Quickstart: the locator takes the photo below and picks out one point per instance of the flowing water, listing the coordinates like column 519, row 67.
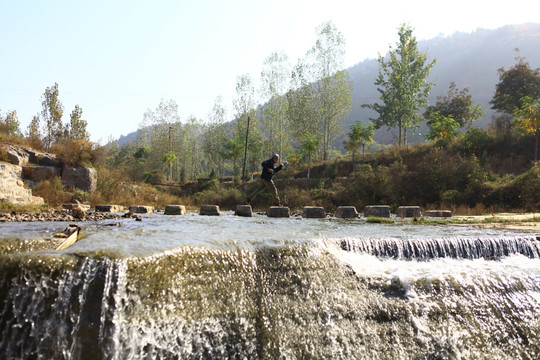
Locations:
column 194, row 287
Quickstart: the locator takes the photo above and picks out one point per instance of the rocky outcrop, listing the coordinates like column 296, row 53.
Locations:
column 12, row 188
column 29, row 166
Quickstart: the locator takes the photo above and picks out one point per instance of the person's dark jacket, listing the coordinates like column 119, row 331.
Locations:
column 269, row 164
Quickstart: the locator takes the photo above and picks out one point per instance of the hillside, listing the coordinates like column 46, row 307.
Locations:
column 469, row 59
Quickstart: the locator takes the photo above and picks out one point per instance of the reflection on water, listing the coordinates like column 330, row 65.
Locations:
column 193, row 287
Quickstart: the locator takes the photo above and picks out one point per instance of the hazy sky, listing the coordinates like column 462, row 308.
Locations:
column 116, row 59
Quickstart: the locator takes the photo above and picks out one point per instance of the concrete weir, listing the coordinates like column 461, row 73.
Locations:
column 438, row 213
column 279, row 211
column 210, row 210
column 313, row 212
column 175, row 210
column 346, row 212
column 243, row 210
column 377, row 210
column 409, row 212
column 109, row 208
column 141, row 209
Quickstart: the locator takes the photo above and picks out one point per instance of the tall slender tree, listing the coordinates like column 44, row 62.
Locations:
column 77, row 126
column 52, row 112
column 402, row 85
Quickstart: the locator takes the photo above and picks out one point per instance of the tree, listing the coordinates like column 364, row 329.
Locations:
column 528, row 119
column 52, row 112
column 77, row 126
column 441, row 127
column 275, row 82
column 360, row 135
column 514, row 84
column 214, row 135
column 332, row 86
column 402, row 85
column 10, row 123
column 33, row 130
column 308, row 146
column 458, row 105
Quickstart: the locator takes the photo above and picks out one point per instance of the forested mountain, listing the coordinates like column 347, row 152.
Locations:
column 469, row 59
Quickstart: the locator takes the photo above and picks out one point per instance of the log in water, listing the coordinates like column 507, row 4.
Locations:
column 231, row 288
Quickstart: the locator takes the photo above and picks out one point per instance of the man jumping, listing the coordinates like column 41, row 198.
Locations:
column 269, row 168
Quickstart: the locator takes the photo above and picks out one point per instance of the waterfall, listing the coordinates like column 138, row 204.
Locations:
column 350, row 298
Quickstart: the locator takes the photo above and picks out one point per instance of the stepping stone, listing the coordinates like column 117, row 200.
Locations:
column 438, row 213
column 377, row 210
column 314, row 212
column 243, row 210
column 346, row 212
column 175, row 210
column 279, row 211
column 109, row 208
column 210, row 210
column 141, row 209
column 408, row 212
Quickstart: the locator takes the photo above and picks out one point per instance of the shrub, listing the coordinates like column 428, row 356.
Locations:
column 52, row 191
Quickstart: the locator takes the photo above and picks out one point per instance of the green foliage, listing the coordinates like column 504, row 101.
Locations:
column 52, row 191
column 9, row 124
column 528, row 119
column 360, row 135
column 402, row 85
column 77, row 129
column 212, row 184
column 476, row 140
column 515, row 83
column 52, row 116
column 379, row 220
column 457, row 105
column 442, row 128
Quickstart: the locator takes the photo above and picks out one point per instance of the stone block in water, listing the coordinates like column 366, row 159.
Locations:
column 346, row 212
column 279, row 211
column 141, row 209
column 438, row 213
column 243, row 210
column 377, row 210
column 314, row 212
column 175, row 210
column 210, row 210
column 408, row 211
column 109, row 208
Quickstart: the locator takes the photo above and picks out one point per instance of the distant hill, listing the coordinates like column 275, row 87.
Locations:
column 469, row 59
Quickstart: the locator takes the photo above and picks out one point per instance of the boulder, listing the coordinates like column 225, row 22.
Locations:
column 438, row 213
column 141, row 209
column 78, row 212
column 243, row 210
column 175, row 210
column 43, row 159
column 313, row 212
column 211, row 210
column 109, row 208
column 35, row 174
column 279, row 211
column 12, row 189
column 17, row 156
column 408, row 212
column 80, row 177
column 345, row 212
column 377, row 210
column 71, row 206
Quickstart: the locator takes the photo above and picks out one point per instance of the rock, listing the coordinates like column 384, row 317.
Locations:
column 17, row 156
column 314, row 212
column 408, row 212
column 80, row 177
column 36, row 174
column 12, row 189
column 141, row 209
column 109, row 208
column 71, row 206
column 212, row 210
column 279, row 211
column 243, row 210
column 78, row 212
column 43, row 159
column 345, row 212
column 175, row 210
column 438, row 213
column 377, row 210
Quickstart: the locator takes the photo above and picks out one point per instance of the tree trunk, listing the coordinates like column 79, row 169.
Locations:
column 536, row 148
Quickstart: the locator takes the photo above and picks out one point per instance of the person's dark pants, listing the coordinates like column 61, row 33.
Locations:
column 268, row 185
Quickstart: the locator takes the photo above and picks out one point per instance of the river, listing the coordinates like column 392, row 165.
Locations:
column 227, row 287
